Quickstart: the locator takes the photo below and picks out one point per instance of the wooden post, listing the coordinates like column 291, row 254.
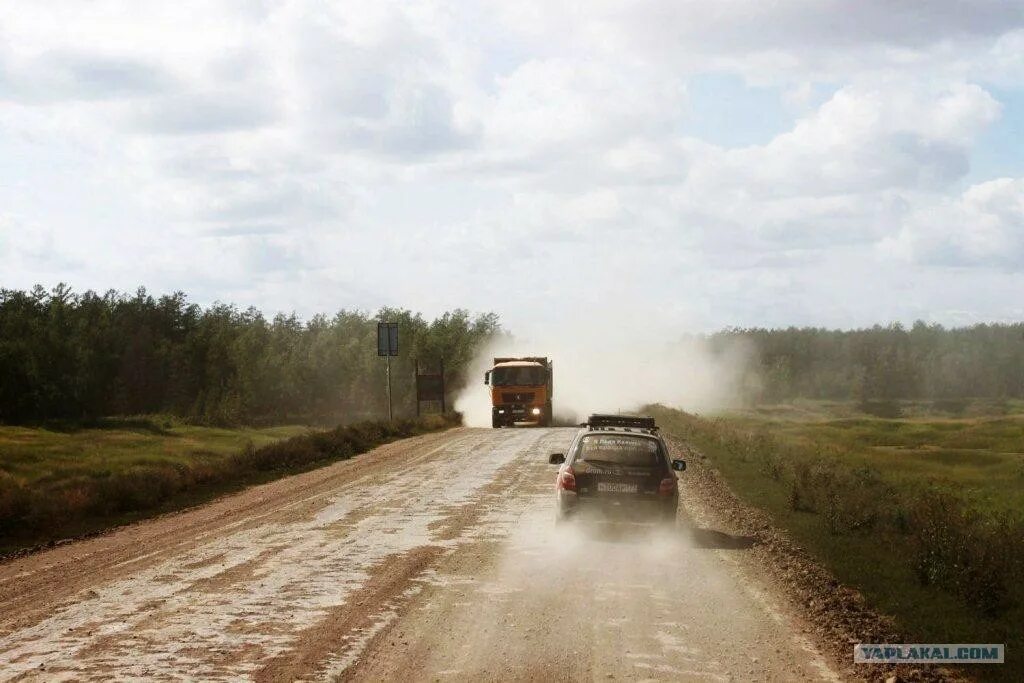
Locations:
column 391, row 414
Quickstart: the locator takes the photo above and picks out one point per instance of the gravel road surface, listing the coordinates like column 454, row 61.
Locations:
column 433, row 558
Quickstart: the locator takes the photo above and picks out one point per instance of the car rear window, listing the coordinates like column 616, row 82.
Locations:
column 620, row 449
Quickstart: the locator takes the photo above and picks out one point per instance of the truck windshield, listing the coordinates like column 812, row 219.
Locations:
column 620, row 449
column 521, row 376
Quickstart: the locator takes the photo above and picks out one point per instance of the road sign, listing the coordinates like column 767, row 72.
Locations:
column 387, row 346
column 387, row 339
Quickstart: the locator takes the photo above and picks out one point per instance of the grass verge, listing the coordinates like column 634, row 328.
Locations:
column 921, row 515
column 63, row 483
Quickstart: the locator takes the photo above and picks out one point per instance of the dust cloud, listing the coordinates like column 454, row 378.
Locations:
column 576, row 601
column 594, row 374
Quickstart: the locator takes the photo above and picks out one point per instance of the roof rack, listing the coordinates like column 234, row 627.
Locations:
column 598, row 420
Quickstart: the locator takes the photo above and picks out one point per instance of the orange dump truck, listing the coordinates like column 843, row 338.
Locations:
column 520, row 392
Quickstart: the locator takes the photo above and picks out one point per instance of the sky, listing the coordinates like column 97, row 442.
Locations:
column 682, row 165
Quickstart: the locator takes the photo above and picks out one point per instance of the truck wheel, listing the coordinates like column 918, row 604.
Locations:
column 495, row 423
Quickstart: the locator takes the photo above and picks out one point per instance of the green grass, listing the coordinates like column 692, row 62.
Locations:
column 39, row 455
column 979, row 459
column 889, row 466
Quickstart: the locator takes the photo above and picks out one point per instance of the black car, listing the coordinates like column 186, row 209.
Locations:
column 617, row 470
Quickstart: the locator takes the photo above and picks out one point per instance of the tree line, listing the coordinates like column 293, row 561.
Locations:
column 65, row 355
column 883, row 363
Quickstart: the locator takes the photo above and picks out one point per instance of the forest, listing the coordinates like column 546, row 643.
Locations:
column 71, row 356
column 883, row 363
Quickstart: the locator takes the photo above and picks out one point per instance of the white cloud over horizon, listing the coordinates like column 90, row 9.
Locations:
column 542, row 160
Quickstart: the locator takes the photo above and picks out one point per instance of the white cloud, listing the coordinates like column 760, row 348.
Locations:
column 222, row 111
column 983, row 228
column 548, row 105
column 301, row 155
column 63, row 75
column 861, row 140
column 823, row 39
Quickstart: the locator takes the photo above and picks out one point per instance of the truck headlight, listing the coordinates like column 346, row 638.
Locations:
column 501, row 411
column 535, row 411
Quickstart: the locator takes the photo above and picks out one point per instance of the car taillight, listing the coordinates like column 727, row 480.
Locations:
column 566, row 480
column 667, row 487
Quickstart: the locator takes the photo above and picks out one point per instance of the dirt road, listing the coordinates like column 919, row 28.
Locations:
column 433, row 558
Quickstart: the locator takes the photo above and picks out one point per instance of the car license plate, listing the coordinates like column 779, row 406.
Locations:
column 616, row 487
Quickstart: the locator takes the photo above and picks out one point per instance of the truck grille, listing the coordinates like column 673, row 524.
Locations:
column 517, row 397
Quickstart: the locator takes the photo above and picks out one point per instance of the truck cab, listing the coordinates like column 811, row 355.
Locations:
column 520, row 392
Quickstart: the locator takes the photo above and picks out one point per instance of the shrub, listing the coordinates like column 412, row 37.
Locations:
column 864, row 501
column 14, row 503
column 802, row 492
column 886, row 409
column 772, row 466
column 953, row 406
column 961, row 551
column 138, row 488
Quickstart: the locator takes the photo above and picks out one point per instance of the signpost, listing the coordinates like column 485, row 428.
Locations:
column 387, row 346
